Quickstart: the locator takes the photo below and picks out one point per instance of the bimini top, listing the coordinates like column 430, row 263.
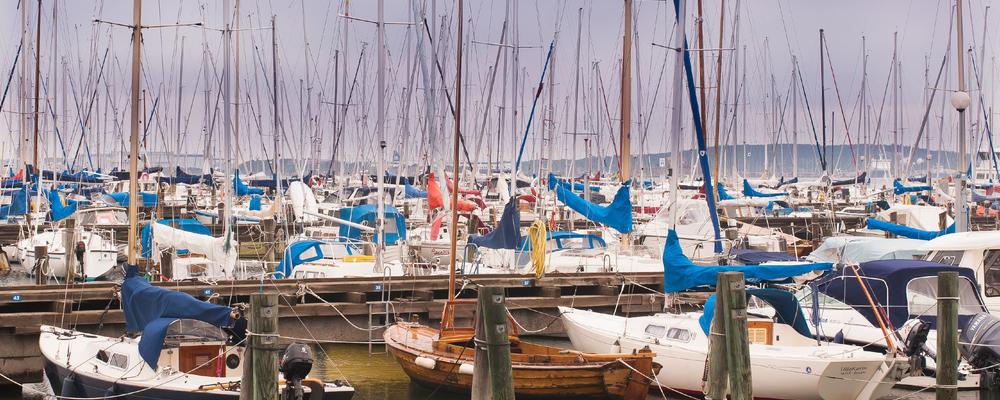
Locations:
column 562, row 241
column 908, row 288
column 151, row 310
column 965, row 241
column 367, row 213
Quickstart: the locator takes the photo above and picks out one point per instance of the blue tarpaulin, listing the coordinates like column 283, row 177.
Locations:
column 617, row 215
column 907, row 232
column 411, row 192
column 898, row 188
column 58, row 211
column 295, row 255
column 507, row 234
column 679, row 273
column 749, row 191
column 150, row 310
column 241, row 189
column 787, row 309
column 255, row 203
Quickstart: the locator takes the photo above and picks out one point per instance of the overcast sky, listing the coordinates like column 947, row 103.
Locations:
column 771, row 32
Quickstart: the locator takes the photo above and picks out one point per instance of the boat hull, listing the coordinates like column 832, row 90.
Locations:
column 535, row 376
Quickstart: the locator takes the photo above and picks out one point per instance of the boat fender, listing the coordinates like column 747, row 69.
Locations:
column 425, row 362
column 466, row 369
column 69, row 388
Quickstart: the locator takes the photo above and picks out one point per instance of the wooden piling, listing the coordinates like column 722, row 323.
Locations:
column 480, row 367
column 69, row 244
column 737, row 343
column 41, row 266
column 260, row 373
column 947, row 336
column 167, row 264
column 494, row 315
column 717, row 374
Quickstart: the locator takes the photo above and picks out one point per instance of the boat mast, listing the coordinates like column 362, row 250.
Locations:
column 795, row 122
column 133, row 162
column 227, row 121
column 822, row 95
column 452, row 231
column 380, row 131
column 277, row 121
column 718, row 89
column 960, row 100
column 576, row 101
column 626, row 95
column 677, row 105
column 38, row 86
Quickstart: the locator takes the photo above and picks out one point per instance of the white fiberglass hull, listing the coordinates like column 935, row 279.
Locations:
column 800, row 372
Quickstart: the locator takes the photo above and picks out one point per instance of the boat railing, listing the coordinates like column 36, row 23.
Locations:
column 477, row 259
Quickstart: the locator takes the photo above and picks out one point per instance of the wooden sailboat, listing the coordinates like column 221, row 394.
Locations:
column 443, row 358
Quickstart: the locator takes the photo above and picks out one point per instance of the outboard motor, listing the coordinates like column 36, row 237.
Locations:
column 979, row 344
column 296, row 363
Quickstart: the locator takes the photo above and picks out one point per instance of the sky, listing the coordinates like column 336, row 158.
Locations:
column 312, row 60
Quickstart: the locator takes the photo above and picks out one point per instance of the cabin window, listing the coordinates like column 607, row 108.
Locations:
column 948, row 257
column 656, row 331
column 118, row 360
column 678, row 334
column 921, row 297
column 991, row 273
column 102, row 356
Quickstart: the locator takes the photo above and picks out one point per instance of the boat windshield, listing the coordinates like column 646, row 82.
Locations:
column 188, row 329
column 921, row 297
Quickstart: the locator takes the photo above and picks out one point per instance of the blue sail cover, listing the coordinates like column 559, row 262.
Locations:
column 787, row 309
column 907, row 232
column 679, row 273
column 295, row 255
column 369, row 213
column 888, row 284
column 255, row 202
column 507, row 234
column 241, row 189
column 723, row 194
column 749, row 191
column 411, row 192
column 617, row 215
column 184, row 224
column 18, row 204
column 150, row 310
column 122, row 198
column 58, row 211
column 898, row 188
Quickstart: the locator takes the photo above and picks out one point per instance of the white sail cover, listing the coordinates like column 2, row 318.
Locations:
column 302, row 199
column 213, row 248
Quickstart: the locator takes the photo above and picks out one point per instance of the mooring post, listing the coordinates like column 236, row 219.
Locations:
column 167, row 264
column 268, row 226
column 69, row 244
column 947, row 336
column 494, row 315
column 41, row 265
column 737, row 343
column 480, row 368
column 260, row 365
column 718, row 378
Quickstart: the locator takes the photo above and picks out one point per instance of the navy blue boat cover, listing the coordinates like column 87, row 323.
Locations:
column 151, row 310
column 507, row 233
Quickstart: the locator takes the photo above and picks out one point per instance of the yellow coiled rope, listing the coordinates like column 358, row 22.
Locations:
column 537, row 235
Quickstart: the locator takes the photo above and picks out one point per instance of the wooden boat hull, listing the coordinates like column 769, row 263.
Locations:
column 557, row 375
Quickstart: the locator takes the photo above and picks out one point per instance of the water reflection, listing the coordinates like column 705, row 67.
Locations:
column 374, row 377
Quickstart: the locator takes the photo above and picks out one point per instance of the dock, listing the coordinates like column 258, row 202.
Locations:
column 351, row 310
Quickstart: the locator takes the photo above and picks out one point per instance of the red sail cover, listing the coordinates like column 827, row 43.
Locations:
column 434, row 198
